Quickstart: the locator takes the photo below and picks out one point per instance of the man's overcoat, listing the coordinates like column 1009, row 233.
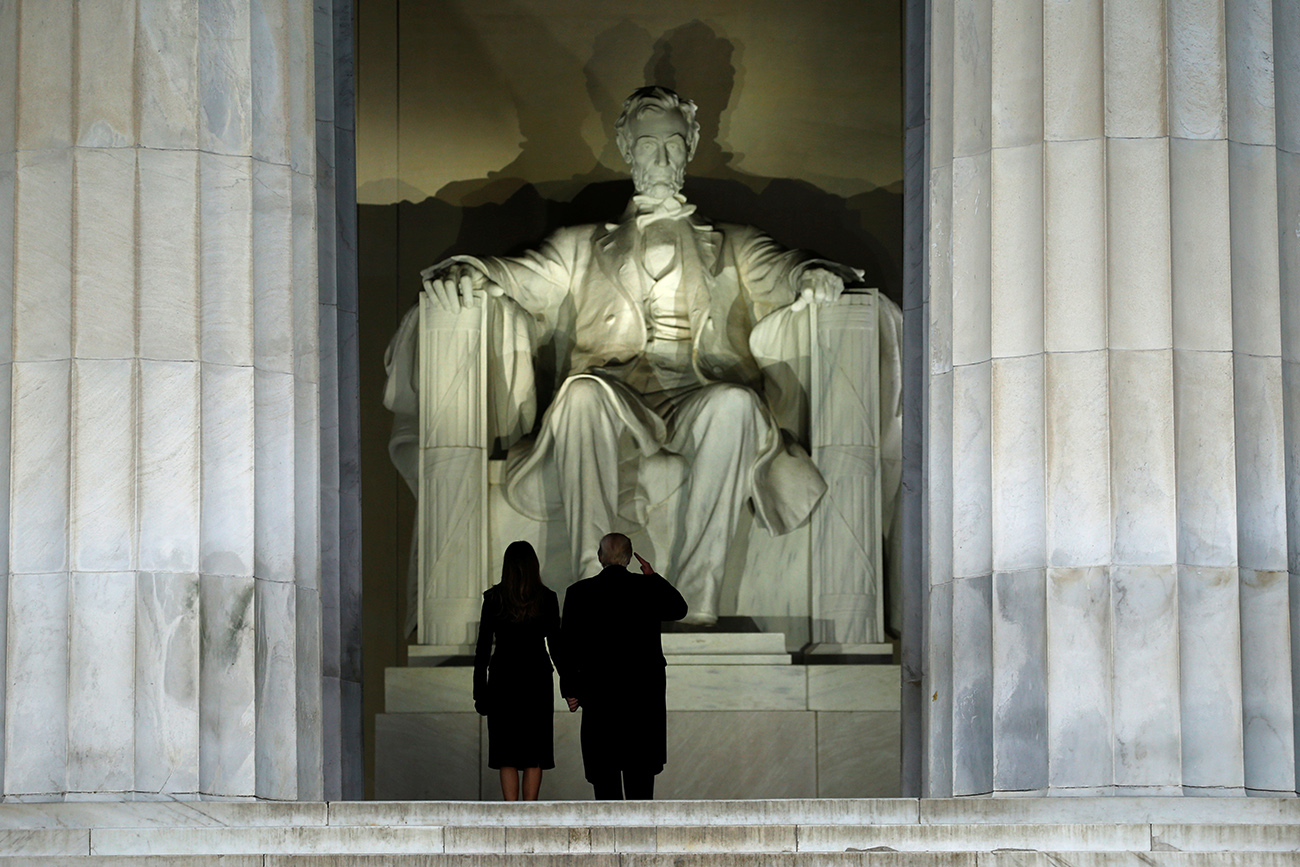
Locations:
column 612, row 661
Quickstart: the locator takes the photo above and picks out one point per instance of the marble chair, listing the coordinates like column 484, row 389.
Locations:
column 464, row 386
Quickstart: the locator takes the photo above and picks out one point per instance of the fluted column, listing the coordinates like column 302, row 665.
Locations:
column 1111, row 430
column 160, row 400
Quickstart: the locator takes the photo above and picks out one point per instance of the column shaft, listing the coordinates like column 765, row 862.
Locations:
column 1111, row 397
column 162, row 495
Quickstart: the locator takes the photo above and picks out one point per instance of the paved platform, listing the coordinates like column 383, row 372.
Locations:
column 1030, row 832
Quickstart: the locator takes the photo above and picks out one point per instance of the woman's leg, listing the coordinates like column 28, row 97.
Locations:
column 510, row 783
column 532, row 783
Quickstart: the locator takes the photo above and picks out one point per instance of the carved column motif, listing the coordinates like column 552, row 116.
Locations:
column 453, row 522
column 847, row 567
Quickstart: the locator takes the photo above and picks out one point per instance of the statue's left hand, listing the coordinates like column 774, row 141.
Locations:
column 818, row 286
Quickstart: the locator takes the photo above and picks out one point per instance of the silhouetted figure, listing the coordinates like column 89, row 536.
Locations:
column 614, row 670
column 512, row 684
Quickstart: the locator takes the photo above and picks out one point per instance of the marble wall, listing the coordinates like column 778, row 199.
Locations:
column 164, row 343
column 1110, row 337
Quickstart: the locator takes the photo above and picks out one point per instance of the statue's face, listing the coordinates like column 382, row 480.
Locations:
column 659, row 153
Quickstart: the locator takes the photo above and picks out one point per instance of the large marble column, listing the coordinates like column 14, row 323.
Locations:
column 1112, row 440
column 160, row 400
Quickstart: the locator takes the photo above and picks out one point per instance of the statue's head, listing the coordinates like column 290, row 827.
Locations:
column 657, row 134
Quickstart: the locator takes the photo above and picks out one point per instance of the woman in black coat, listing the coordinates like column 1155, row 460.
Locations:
column 512, row 684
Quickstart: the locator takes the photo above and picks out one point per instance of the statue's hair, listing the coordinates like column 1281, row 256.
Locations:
column 617, row 549
column 651, row 98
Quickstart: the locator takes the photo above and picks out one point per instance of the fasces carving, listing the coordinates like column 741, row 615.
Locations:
column 686, row 354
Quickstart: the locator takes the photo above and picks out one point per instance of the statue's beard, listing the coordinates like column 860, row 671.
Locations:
column 657, row 181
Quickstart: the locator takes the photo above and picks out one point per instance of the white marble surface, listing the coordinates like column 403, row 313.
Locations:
column 167, row 683
column 972, row 539
column 102, row 507
column 718, row 754
column 1074, row 252
column 853, row 687
column 1256, row 296
column 1135, row 75
column 104, row 252
column 1260, row 442
column 1200, row 249
column 972, row 686
column 1147, row 750
column 1073, row 81
column 1137, row 241
column 36, row 700
column 236, row 841
column 1142, row 463
column 423, row 756
column 1267, row 685
column 168, row 297
column 1020, row 694
column 971, row 260
column 1210, row 667
column 101, row 682
column 39, row 467
column 227, row 700
column 1206, row 473
column 1078, row 446
column 858, row 755
column 1017, row 503
column 1016, row 296
column 1079, row 707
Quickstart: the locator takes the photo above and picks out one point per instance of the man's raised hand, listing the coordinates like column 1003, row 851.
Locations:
column 646, row 568
column 458, row 285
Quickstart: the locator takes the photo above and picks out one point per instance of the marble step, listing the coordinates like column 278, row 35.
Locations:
column 840, row 859
column 1189, row 811
column 631, row 839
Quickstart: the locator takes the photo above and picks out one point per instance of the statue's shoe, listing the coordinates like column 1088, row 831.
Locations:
column 700, row 618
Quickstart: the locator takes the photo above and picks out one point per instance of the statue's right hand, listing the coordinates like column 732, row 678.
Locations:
column 457, row 285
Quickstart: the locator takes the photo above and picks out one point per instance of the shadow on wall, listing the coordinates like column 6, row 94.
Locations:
column 514, row 208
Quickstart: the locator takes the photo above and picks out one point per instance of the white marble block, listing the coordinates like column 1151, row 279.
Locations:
column 36, row 696
column 101, row 682
column 1210, row 678
column 167, row 684
column 1147, row 751
column 847, row 526
column 1019, row 690
column 1079, row 659
column 453, row 475
column 972, row 686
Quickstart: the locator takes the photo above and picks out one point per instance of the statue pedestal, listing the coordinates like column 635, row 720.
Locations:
column 743, row 722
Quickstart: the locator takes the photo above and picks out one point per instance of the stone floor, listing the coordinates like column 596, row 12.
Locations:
column 1030, row 832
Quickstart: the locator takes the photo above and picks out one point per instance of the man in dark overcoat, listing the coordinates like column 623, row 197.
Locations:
column 613, row 668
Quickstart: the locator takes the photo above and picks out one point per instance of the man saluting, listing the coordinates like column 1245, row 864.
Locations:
column 614, row 669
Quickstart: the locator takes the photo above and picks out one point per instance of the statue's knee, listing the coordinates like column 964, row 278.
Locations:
column 583, row 397
column 733, row 402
